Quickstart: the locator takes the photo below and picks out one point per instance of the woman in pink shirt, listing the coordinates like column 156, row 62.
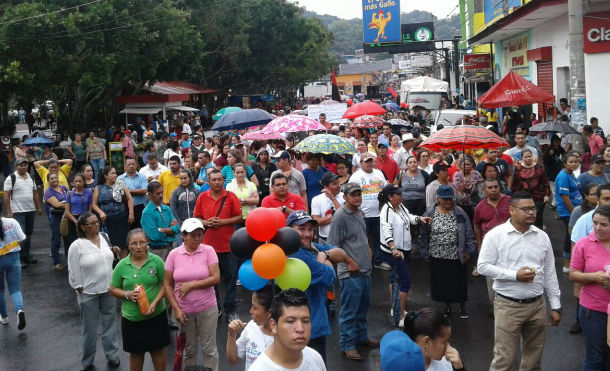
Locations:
column 191, row 271
column 590, row 256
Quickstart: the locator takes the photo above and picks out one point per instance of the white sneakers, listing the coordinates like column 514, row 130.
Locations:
column 3, row 320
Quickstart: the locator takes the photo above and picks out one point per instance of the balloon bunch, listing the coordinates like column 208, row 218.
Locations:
column 269, row 260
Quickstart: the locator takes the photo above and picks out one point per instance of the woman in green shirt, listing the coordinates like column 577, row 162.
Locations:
column 147, row 332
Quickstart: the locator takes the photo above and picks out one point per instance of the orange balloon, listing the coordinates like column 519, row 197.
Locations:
column 268, row 260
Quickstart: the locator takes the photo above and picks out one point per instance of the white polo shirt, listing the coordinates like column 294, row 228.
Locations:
column 22, row 194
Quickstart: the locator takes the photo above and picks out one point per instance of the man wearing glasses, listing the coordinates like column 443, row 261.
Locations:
column 518, row 256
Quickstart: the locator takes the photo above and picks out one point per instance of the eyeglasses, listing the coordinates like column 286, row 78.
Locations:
column 527, row 210
column 138, row 243
column 97, row 222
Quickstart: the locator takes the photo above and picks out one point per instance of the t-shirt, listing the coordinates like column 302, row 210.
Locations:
column 148, row 172
column 312, row 361
column 501, row 165
column 243, row 193
column 322, row 206
column 60, row 196
column 22, row 196
column 312, row 179
column 586, row 178
column 372, row 183
column 169, row 183
column 566, row 184
column 150, row 276
column 440, row 365
column 79, row 151
column 296, row 181
column 12, row 236
column 292, row 201
column 229, row 175
column 588, row 256
column 252, row 343
column 186, row 267
column 79, row 203
column 63, row 172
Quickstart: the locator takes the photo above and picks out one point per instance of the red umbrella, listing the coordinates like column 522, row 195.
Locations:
column 514, row 90
column 368, row 121
column 462, row 137
column 364, row 108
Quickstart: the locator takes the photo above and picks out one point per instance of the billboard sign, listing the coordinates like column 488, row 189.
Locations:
column 414, row 37
column 596, row 32
column 421, row 61
column 514, row 54
column 477, row 63
column 494, row 9
column 381, row 21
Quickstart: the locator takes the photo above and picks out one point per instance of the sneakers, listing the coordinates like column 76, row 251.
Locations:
column 3, row 320
column 383, row 266
column 464, row 314
column 21, row 317
column 566, row 270
column 58, row 267
column 401, row 323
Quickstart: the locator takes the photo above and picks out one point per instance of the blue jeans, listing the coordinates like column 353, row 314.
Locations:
column 56, row 238
column 593, row 325
column 10, row 267
column 355, row 301
column 97, row 165
column 26, row 222
column 372, row 228
column 567, row 242
column 226, row 263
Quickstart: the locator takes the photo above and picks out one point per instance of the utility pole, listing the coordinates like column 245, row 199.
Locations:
column 456, row 63
column 578, row 97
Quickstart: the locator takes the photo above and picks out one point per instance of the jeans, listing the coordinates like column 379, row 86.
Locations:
column 92, row 309
column 567, row 242
column 593, row 325
column 355, row 301
column 26, row 222
column 97, row 165
column 56, row 238
column 10, row 267
column 226, row 263
column 372, row 229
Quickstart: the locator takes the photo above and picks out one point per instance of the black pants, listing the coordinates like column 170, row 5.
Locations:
column 137, row 217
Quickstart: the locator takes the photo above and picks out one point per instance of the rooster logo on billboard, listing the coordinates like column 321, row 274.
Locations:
column 380, row 22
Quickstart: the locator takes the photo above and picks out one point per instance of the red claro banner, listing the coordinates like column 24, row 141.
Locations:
column 596, row 32
column 477, row 62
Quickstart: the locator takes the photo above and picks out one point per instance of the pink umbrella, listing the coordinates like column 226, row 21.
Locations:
column 292, row 124
column 257, row 135
column 368, row 121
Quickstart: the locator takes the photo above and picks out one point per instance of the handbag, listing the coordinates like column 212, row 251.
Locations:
column 63, row 226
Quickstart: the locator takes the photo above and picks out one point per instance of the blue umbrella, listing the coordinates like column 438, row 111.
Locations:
column 391, row 106
column 38, row 141
column 243, row 119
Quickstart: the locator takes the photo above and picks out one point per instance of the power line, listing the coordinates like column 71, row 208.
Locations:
column 49, row 13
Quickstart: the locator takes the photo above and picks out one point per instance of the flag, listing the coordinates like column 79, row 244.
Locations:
column 393, row 92
column 335, row 94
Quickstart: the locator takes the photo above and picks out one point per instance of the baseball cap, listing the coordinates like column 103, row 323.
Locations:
column 399, row 353
column 172, row 135
column 382, row 144
column 350, row 187
column 445, row 191
column 282, row 155
column 191, row 225
column 127, row 131
column 328, row 178
column 366, row 156
column 597, row 159
column 299, row 217
column 21, row 160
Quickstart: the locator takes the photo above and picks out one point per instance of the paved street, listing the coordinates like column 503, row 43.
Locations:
column 51, row 340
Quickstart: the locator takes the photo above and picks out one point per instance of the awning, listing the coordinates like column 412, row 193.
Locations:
column 184, row 108
column 141, row 110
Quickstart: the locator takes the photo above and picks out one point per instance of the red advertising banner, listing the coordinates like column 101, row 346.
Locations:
column 477, row 62
column 596, row 32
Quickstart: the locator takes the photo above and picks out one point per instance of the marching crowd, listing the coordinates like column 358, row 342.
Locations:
column 163, row 228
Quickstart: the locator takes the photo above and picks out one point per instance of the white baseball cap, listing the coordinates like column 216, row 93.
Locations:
column 191, row 225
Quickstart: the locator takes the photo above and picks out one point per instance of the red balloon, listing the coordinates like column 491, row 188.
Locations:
column 403, row 105
column 349, row 102
column 278, row 218
column 269, row 260
column 261, row 224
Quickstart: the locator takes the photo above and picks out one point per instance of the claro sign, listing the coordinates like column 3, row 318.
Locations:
column 596, row 32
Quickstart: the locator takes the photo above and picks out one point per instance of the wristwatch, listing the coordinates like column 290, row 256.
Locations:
column 284, row 208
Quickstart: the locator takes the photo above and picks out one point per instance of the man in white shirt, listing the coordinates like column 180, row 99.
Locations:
column 515, row 152
column 324, row 205
column 372, row 182
column 21, row 199
column 291, row 327
column 519, row 258
column 153, row 169
column 406, row 151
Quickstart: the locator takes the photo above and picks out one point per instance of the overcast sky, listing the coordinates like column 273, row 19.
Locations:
column 353, row 8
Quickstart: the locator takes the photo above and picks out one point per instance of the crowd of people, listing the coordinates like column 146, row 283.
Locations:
column 161, row 230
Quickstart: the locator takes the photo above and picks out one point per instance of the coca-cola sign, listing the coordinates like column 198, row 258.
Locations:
column 477, row 62
column 596, row 32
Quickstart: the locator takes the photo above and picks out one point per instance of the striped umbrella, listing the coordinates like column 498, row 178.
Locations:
column 292, row 124
column 368, row 121
column 325, row 144
column 462, row 137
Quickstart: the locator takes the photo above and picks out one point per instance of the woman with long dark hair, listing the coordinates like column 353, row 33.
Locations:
column 78, row 202
column 55, row 198
column 567, row 197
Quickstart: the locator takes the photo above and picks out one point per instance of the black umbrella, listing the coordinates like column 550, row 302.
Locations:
column 553, row 127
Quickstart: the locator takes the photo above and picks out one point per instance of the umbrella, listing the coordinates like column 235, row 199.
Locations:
column 242, row 119
column 391, row 106
column 553, row 127
column 257, row 135
column 364, row 108
column 299, row 112
column 326, row 144
column 368, row 121
column 360, row 96
column 400, row 122
column 224, row 111
column 38, row 141
column 462, row 137
column 292, row 124
column 514, row 90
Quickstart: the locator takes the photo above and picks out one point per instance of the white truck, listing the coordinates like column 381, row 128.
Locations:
column 423, row 91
